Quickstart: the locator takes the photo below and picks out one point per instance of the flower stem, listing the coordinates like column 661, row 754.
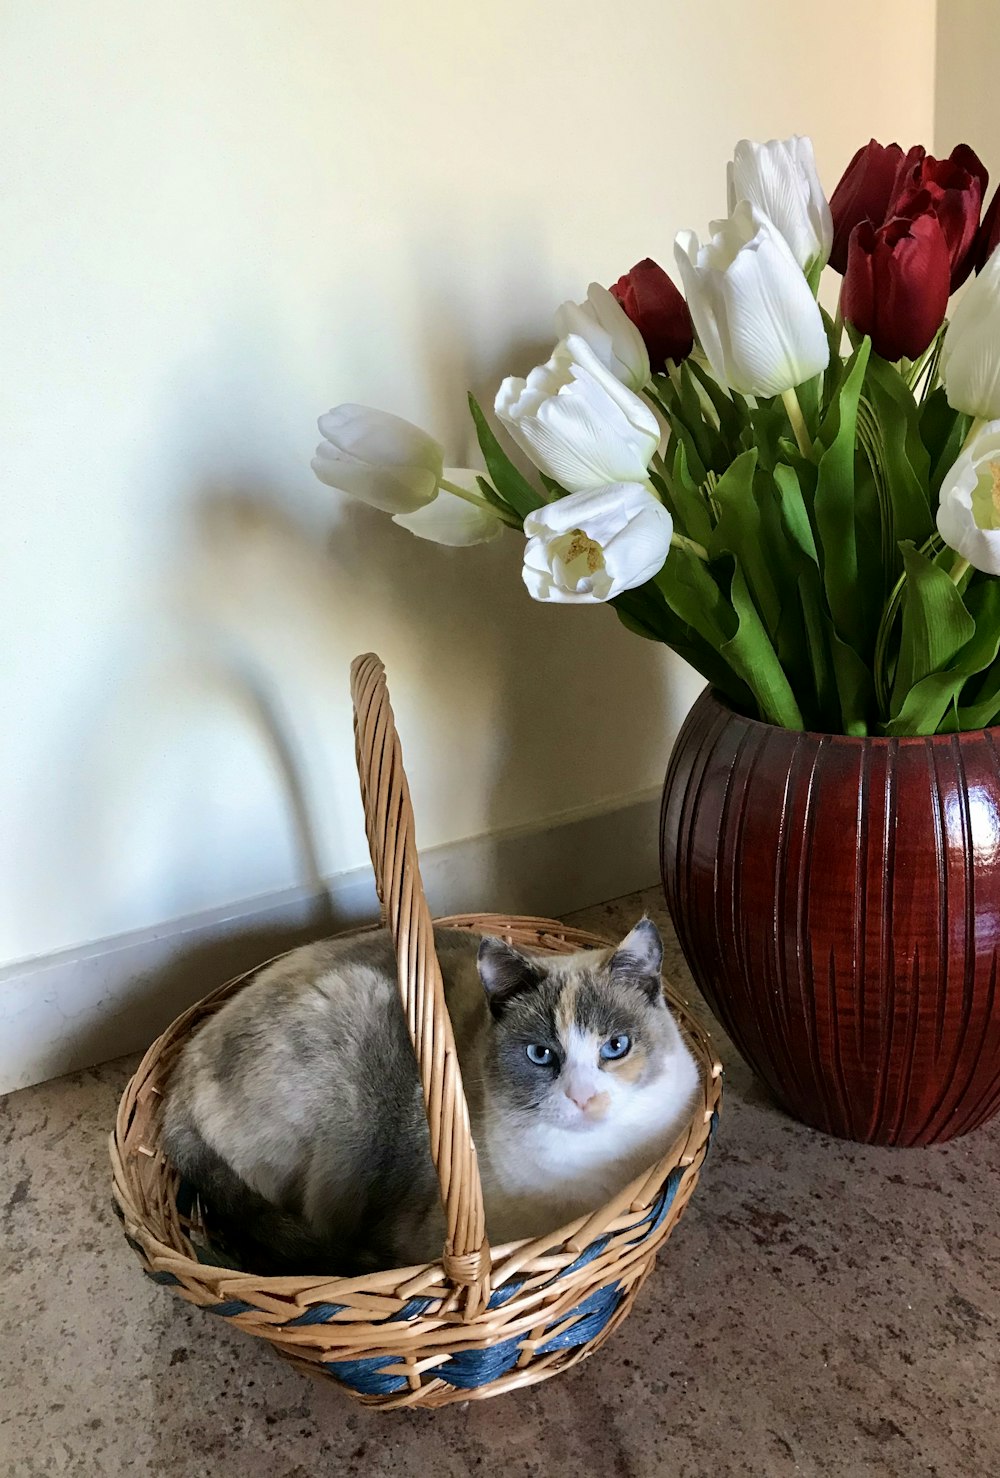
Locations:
column 681, row 541
column 793, row 410
column 958, row 569
column 977, row 425
column 468, row 496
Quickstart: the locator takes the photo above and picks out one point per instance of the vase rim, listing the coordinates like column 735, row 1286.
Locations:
column 713, row 695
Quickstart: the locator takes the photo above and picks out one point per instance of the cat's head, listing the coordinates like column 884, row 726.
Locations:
column 576, row 1037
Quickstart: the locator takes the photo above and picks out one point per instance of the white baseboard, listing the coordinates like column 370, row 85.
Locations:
column 79, row 1007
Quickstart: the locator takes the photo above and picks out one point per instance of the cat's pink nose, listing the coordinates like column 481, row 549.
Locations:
column 588, row 1102
column 581, row 1098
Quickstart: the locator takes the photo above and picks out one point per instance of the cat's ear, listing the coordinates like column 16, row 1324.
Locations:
column 638, row 960
column 504, row 972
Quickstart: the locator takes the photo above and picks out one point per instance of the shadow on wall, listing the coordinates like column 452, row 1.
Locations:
column 509, row 713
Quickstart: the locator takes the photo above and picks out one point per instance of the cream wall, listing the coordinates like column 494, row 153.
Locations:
column 968, row 54
column 223, row 218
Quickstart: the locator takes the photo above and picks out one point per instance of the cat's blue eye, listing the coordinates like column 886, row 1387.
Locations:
column 617, row 1046
column 539, row 1055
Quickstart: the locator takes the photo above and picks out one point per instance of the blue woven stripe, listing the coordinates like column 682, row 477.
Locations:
column 470, row 1368
column 412, row 1309
column 587, row 1255
column 230, row 1307
column 505, row 1293
column 317, row 1314
column 593, row 1313
column 367, row 1376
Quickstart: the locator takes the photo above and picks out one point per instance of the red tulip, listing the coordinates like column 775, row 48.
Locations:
column 897, row 281
column 863, row 194
column 988, row 238
column 956, row 187
column 658, row 311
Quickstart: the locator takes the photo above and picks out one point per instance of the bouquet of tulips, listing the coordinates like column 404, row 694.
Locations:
column 806, row 507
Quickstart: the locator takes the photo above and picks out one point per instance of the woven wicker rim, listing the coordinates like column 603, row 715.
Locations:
column 376, row 1318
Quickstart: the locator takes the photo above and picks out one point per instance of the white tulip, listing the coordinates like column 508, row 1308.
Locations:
column 379, row 458
column 753, row 311
column 970, row 354
column 609, row 331
column 780, row 179
column 593, row 545
column 452, row 519
column 577, row 422
column 969, row 509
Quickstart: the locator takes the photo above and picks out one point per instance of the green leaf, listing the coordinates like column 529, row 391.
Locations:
column 835, row 508
column 834, row 337
column 739, row 532
column 733, row 628
column 808, row 611
column 981, row 708
column 935, row 627
column 681, row 433
column 750, row 652
column 633, row 622
column 692, row 594
column 943, row 432
column 839, row 678
column 906, row 465
column 768, row 425
column 512, row 485
column 930, row 701
column 685, row 499
column 492, row 496
column 855, row 688
column 710, row 448
column 794, row 512
column 731, row 410
column 645, row 612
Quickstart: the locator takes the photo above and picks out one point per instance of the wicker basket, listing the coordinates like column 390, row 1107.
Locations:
column 481, row 1320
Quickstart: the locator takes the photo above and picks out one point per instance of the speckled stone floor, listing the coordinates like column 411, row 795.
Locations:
column 822, row 1309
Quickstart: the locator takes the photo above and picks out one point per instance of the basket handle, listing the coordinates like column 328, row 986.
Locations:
column 389, row 823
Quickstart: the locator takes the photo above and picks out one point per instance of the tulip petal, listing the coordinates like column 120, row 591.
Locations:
column 451, row 520
column 956, row 520
column 577, row 422
column 593, row 545
column 700, row 306
column 862, row 194
column 775, row 326
column 637, row 552
column 970, row 358
column 658, row 311
column 376, row 436
column 390, row 489
column 779, row 179
column 612, row 336
column 542, row 587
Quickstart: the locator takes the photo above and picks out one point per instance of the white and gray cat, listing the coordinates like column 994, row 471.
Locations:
column 296, row 1110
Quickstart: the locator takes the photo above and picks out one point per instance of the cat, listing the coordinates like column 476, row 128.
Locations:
column 296, row 1109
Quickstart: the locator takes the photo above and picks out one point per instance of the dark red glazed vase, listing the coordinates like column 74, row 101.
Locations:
column 838, row 902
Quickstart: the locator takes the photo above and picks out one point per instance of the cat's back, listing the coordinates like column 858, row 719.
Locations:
column 317, row 1034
